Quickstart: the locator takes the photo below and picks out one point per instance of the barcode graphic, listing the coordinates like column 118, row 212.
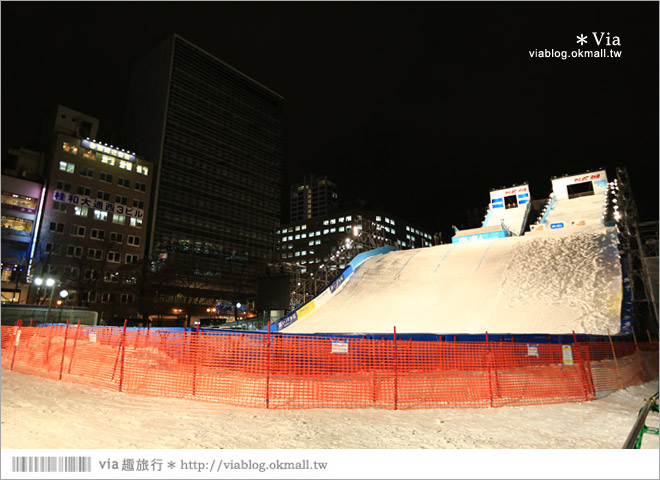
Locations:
column 51, row 464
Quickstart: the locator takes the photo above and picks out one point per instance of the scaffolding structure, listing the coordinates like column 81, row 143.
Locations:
column 640, row 249
column 306, row 283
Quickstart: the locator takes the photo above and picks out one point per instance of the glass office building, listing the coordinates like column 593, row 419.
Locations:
column 215, row 138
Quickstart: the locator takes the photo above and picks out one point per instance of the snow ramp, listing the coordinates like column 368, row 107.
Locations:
column 552, row 280
column 554, row 283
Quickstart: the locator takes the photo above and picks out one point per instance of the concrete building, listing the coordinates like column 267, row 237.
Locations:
column 215, row 137
column 313, row 197
column 93, row 231
column 21, row 209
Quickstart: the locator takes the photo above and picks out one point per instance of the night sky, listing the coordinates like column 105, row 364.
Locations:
column 421, row 108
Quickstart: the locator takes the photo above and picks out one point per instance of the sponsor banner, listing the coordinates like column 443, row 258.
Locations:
column 579, row 223
column 286, row 321
column 339, row 346
column 479, row 236
column 567, row 354
column 306, row 309
column 554, row 226
column 521, row 193
column 599, row 180
column 335, row 285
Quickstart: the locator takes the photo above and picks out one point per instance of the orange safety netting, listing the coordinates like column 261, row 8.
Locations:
column 281, row 371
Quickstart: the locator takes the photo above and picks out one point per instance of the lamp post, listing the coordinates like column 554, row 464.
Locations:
column 50, row 283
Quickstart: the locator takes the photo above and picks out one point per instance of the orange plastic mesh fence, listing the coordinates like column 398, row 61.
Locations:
column 316, row 372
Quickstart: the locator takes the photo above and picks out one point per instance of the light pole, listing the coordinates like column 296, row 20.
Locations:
column 50, row 283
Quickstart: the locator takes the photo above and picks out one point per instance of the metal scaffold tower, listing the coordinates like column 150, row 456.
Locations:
column 308, row 282
column 640, row 244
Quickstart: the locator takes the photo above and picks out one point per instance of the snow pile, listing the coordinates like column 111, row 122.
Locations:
column 551, row 282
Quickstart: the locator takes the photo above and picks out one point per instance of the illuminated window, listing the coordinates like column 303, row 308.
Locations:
column 119, row 219
column 70, row 148
column 19, row 202
column 136, row 222
column 100, row 215
column 18, row 226
column 89, row 154
column 67, row 167
column 80, row 211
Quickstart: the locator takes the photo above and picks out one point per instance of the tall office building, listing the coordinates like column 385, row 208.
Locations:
column 215, row 137
column 313, row 197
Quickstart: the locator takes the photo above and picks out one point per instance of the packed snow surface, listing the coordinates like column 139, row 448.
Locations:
column 555, row 281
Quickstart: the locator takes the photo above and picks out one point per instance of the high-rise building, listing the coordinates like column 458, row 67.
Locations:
column 313, row 197
column 215, row 137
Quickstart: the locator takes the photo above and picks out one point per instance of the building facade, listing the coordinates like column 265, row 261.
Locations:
column 313, row 197
column 336, row 238
column 21, row 208
column 215, row 136
column 93, row 229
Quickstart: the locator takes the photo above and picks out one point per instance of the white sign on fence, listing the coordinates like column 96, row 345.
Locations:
column 92, row 336
column 532, row 350
column 567, row 354
column 339, row 346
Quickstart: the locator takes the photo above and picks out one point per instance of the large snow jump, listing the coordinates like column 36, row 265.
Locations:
column 557, row 279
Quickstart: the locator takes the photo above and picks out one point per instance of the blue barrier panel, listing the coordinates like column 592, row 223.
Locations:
column 479, row 236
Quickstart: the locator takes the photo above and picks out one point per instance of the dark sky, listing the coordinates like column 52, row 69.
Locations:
column 419, row 107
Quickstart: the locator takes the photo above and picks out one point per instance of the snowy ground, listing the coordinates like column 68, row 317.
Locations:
column 46, row 414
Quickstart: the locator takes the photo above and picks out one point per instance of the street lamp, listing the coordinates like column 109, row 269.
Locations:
column 50, row 283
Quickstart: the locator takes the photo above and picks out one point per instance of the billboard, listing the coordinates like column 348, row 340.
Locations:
column 590, row 183
column 512, row 197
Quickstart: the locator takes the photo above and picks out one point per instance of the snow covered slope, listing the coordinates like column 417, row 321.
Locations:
column 554, row 282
